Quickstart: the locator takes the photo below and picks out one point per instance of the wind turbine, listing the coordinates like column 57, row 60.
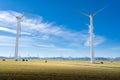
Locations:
column 91, row 32
column 18, row 18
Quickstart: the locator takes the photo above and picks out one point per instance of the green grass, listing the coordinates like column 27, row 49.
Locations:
column 58, row 70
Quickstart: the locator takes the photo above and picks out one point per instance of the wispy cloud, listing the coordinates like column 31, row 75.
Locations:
column 50, row 46
column 97, row 40
column 12, row 31
column 10, row 41
column 46, row 46
column 42, row 32
column 7, row 41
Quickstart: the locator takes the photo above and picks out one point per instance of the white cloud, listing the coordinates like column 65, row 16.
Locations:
column 7, row 30
column 87, row 43
column 50, row 46
column 46, row 46
column 10, row 41
column 47, row 31
column 7, row 18
column 12, row 31
column 97, row 40
column 7, row 41
column 45, row 37
column 6, row 38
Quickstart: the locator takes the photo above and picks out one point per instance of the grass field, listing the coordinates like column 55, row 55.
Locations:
column 58, row 70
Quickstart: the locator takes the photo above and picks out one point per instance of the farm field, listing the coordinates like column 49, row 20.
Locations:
column 58, row 70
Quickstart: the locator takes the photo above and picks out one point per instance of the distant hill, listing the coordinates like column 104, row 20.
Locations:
column 65, row 58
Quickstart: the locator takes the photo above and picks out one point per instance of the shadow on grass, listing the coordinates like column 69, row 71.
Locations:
column 17, row 76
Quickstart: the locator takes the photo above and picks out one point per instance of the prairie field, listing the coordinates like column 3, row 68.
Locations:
column 58, row 70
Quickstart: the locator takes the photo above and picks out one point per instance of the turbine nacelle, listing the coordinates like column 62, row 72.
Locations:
column 17, row 17
column 91, row 15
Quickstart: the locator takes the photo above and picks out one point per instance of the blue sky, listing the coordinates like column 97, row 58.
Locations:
column 55, row 28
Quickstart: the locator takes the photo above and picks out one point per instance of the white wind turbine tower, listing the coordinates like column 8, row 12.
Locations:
column 18, row 18
column 91, row 33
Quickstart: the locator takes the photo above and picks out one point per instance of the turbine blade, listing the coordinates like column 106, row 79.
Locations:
column 99, row 10
column 83, row 13
column 25, row 14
